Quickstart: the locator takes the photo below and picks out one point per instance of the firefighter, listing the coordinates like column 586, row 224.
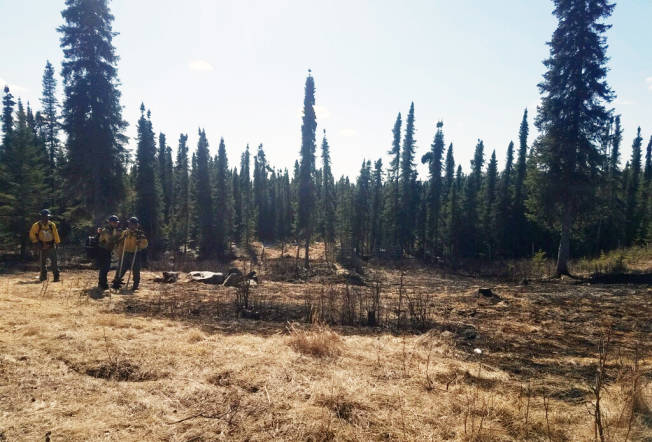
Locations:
column 132, row 242
column 45, row 237
column 108, row 239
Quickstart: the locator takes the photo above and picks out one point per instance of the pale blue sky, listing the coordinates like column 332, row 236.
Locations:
column 237, row 69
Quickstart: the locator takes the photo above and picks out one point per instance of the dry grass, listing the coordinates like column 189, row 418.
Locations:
column 176, row 363
column 319, row 341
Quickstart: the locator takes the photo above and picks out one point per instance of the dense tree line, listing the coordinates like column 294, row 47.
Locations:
column 566, row 185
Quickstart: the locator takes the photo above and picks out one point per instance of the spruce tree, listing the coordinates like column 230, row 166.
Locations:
column 247, row 213
column 148, row 189
column 204, row 200
column 376, row 206
column 392, row 212
column 407, row 186
column 181, row 218
column 8, row 104
column 306, row 184
column 50, row 115
column 165, row 176
column 284, row 210
column 361, row 210
column 519, row 221
column 434, row 159
column 23, row 168
column 449, row 174
column 571, row 116
column 327, row 199
column 223, row 202
column 645, row 197
column 92, row 114
column 471, row 223
column 489, row 202
column 261, row 202
column 632, row 203
column 504, row 205
column 237, row 205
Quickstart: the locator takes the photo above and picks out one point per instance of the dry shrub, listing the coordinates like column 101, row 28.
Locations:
column 319, row 341
column 342, row 406
column 195, row 336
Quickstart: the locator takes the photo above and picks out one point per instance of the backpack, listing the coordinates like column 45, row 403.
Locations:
column 48, row 236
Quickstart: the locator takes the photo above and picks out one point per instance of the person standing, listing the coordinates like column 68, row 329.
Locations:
column 132, row 242
column 45, row 237
column 108, row 239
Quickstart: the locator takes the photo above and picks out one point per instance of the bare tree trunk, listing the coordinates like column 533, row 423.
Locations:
column 564, row 244
column 306, row 262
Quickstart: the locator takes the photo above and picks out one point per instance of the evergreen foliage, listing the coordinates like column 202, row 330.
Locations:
column 92, row 115
column 306, row 177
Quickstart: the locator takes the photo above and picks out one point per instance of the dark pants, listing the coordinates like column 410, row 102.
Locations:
column 104, row 265
column 52, row 254
column 128, row 257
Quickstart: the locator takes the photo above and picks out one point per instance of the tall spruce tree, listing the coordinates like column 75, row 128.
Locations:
column 327, row 199
column 632, row 203
column 223, row 202
column 504, row 205
column 204, row 200
column 50, row 117
column 518, row 219
column 489, row 203
column 376, row 206
column 92, row 114
column 181, row 221
column 449, row 172
column 306, row 183
column 361, row 210
column 392, row 215
column 645, row 197
column 8, row 104
column 407, row 186
column 434, row 159
column 165, row 176
column 472, row 211
column 148, row 188
column 262, row 203
column 247, row 210
column 572, row 115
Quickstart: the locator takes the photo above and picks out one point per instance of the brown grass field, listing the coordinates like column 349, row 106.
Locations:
column 433, row 361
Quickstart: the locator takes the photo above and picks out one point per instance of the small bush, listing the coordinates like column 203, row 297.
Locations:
column 319, row 341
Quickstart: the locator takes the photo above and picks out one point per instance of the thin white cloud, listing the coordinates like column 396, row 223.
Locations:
column 348, row 132
column 14, row 88
column 648, row 81
column 200, row 66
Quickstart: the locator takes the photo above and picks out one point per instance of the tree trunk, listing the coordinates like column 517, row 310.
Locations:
column 564, row 244
column 306, row 262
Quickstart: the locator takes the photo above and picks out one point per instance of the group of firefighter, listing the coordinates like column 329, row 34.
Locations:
column 126, row 243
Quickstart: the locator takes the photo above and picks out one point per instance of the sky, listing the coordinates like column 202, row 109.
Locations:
column 237, row 69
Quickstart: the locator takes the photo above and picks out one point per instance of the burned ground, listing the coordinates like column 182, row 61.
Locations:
column 434, row 360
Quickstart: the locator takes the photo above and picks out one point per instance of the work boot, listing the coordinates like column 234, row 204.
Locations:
column 116, row 285
column 56, row 278
column 134, row 287
column 42, row 277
